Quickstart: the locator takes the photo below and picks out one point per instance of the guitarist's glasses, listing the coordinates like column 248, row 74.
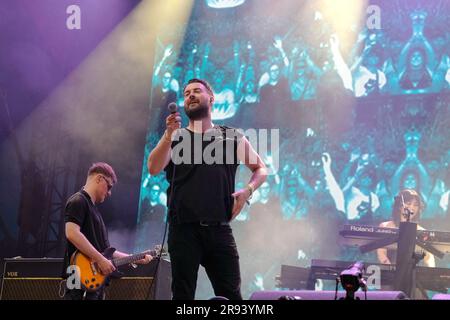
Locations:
column 107, row 183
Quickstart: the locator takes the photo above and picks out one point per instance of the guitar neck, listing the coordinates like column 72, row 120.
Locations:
column 130, row 259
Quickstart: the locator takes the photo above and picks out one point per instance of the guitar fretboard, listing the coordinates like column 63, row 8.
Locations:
column 130, row 259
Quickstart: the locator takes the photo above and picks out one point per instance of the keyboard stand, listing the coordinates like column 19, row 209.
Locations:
column 405, row 277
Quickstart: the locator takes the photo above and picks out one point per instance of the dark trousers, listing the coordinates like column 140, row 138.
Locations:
column 213, row 247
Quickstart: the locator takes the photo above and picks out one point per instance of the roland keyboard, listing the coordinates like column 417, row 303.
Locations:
column 360, row 235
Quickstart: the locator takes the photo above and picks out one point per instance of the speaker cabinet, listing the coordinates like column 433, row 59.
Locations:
column 31, row 279
column 31, row 289
column 324, row 295
column 137, row 284
column 40, row 279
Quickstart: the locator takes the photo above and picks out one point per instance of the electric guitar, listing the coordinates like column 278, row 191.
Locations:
column 92, row 279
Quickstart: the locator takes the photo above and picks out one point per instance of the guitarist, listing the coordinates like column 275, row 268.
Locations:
column 85, row 229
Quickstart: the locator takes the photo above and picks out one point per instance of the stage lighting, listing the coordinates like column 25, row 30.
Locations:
column 222, row 4
column 218, row 298
column 289, row 298
column 352, row 279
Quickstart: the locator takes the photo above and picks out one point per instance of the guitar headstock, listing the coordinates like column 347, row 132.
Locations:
column 158, row 251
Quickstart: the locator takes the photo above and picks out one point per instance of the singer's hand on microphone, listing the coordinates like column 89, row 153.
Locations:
column 173, row 122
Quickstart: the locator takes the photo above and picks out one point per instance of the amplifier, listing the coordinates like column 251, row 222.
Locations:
column 40, row 279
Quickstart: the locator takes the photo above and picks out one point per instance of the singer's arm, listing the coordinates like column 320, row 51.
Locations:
column 428, row 260
column 382, row 252
column 160, row 155
column 252, row 160
column 382, row 256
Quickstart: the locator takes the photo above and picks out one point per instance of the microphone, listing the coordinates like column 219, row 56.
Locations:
column 407, row 213
column 172, row 107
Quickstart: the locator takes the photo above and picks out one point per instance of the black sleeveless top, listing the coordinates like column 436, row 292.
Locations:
column 204, row 178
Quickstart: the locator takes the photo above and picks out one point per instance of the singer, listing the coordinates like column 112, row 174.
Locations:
column 201, row 196
column 407, row 203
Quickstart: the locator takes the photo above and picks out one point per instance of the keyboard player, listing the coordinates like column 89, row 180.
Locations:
column 407, row 203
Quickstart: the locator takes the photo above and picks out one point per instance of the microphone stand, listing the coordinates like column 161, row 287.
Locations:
column 172, row 109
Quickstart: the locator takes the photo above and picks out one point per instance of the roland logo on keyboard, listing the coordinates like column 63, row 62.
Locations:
column 371, row 229
column 362, row 228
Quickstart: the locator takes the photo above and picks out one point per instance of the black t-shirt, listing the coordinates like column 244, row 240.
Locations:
column 202, row 189
column 81, row 210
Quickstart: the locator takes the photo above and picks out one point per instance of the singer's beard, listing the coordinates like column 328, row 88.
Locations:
column 198, row 113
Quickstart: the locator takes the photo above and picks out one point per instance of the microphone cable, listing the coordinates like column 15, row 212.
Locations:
column 155, row 272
